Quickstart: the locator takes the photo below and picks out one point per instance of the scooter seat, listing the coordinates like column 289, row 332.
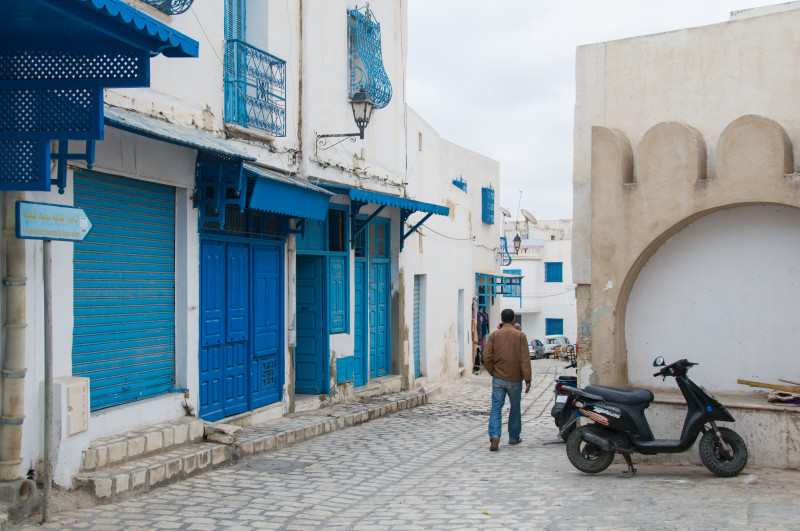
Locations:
column 621, row 396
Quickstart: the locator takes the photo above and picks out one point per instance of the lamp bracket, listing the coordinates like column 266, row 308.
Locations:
column 322, row 140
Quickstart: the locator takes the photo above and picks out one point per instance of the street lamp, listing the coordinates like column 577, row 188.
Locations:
column 362, row 106
column 517, row 243
column 362, row 110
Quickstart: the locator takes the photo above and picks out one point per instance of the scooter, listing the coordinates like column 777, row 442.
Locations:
column 619, row 426
column 563, row 411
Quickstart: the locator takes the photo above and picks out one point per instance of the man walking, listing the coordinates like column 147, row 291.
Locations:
column 506, row 358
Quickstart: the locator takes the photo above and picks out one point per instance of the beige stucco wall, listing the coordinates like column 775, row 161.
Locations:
column 669, row 128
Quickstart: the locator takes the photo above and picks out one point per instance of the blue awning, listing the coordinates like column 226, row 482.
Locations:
column 78, row 23
column 165, row 131
column 358, row 198
column 280, row 194
column 389, row 200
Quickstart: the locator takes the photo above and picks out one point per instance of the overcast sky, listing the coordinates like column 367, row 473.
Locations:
column 498, row 77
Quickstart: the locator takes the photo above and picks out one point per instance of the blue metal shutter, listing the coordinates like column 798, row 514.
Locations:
column 417, row 372
column 124, row 289
column 337, row 269
column 553, row 326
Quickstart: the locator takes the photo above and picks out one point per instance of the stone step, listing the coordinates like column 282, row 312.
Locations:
column 141, row 472
column 148, row 472
column 148, row 440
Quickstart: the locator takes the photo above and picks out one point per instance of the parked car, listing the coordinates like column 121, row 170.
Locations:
column 556, row 346
column 536, row 349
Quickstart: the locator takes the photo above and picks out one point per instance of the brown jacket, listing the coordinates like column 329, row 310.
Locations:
column 506, row 355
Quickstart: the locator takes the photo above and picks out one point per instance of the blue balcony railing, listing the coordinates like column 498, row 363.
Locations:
column 170, row 7
column 255, row 88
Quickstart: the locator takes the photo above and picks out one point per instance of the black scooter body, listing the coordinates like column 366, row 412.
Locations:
column 623, row 411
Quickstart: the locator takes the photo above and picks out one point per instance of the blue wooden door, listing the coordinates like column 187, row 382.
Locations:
column 241, row 338
column 236, row 322
column 309, row 352
column 212, row 329
column 267, row 337
column 360, row 324
column 379, row 353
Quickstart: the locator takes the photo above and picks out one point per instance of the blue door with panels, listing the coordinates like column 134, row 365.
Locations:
column 360, row 324
column 309, row 355
column 379, row 352
column 124, row 289
column 241, row 301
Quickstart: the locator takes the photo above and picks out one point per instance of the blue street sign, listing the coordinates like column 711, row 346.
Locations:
column 45, row 221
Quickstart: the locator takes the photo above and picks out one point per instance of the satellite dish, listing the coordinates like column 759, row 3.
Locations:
column 528, row 216
column 505, row 212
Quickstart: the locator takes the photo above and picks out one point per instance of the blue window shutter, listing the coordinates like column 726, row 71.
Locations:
column 337, row 267
column 553, row 327
column 487, row 197
column 553, row 272
column 235, row 19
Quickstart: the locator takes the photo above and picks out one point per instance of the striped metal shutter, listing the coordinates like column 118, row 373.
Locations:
column 124, row 289
column 417, row 371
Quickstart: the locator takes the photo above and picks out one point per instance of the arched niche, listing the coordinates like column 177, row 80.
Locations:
column 671, row 152
column 753, row 148
column 612, row 157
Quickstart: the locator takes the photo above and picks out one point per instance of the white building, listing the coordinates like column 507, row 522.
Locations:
column 545, row 304
column 241, row 262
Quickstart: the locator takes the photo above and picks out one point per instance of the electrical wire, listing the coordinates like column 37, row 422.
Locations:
column 444, row 235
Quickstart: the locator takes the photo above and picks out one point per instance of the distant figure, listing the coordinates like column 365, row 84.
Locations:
column 506, row 358
column 517, row 326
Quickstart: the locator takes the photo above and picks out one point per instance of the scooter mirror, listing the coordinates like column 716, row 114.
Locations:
column 659, row 362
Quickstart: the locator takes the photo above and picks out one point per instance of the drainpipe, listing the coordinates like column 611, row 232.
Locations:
column 13, row 373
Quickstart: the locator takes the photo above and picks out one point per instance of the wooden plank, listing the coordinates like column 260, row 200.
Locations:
column 777, row 387
column 789, row 382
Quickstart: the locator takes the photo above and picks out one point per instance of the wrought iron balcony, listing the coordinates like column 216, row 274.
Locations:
column 170, row 7
column 255, row 88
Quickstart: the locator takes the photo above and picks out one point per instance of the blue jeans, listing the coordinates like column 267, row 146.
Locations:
column 501, row 388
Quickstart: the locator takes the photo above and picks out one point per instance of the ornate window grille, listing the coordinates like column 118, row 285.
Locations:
column 170, row 7
column 255, row 88
column 366, row 61
column 460, row 183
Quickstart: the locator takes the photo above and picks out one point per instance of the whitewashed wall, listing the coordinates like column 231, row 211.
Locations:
column 443, row 249
column 722, row 292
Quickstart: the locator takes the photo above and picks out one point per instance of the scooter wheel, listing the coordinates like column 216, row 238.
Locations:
column 586, row 456
column 716, row 459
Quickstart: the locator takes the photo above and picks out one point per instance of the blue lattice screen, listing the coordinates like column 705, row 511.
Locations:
column 22, row 164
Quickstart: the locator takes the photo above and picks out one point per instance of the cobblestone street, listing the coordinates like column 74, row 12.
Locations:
column 429, row 467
